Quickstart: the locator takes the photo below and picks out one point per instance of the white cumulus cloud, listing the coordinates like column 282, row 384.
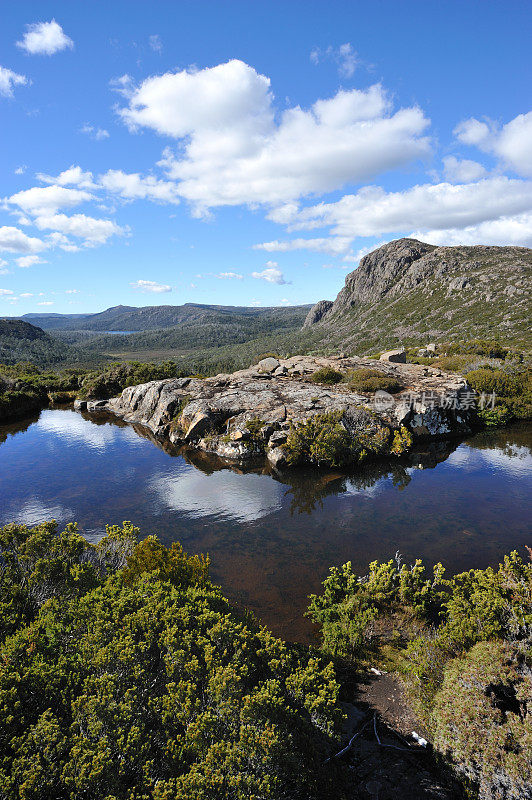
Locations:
column 511, row 143
column 45, row 38
column 9, row 79
column 373, row 211
column 151, row 286
column 462, row 170
column 13, row 240
column 93, row 231
column 48, row 199
column 235, row 150
column 29, row 261
column 271, row 274
column 516, row 230
column 73, row 176
column 132, row 186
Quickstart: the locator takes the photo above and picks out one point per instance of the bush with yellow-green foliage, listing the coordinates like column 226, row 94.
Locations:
column 482, row 719
column 125, row 674
column 464, row 645
column 336, row 439
column 402, row 441
column 512, row 388
column 372, row 380
column 491, row 369
column 327, row 376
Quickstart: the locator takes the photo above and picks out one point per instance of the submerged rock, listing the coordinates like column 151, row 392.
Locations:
column 250, row 413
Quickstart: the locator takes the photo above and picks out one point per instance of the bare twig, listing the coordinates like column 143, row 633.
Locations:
column 393, row 746
column 349, row 744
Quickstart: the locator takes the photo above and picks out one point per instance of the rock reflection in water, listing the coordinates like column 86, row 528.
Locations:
column 272, row 537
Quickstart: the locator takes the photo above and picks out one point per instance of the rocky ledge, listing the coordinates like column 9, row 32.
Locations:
column 252, row 412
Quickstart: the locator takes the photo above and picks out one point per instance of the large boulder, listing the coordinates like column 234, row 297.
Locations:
column 395, row 356
column 268, row 365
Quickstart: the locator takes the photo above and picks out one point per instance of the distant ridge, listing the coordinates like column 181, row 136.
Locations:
column 145, row 318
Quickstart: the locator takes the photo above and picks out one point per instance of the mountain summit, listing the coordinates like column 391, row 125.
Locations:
column 407, row 291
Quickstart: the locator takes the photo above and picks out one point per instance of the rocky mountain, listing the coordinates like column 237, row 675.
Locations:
column 408, row 292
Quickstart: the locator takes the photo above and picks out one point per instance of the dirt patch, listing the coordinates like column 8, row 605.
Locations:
column 384, row 760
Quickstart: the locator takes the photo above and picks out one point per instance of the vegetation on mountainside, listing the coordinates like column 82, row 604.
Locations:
column 208, row 339
column 464, row 645
column 113, row 379
column 156, row 318
column 125, row 674
column 20, row 341
column 452, row 292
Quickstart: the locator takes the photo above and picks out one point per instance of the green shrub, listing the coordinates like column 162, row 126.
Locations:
column 327, row 375
column 62, row 397
column 371, row 380
column 481, row 719
column 321, row 440
column 494, row 417
column 512, row 388
column 256, row 439
column 141, row 682
column 473, row 606
column 480, row 347
column 402, row 441
column 349, row 603
column 457, row 363
column 111, row 381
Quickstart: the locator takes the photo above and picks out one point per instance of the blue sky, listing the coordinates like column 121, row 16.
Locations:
column 249, row 153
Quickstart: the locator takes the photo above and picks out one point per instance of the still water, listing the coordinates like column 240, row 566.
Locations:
column 272, row 539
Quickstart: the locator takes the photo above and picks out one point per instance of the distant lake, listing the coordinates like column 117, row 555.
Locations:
column 272, row 539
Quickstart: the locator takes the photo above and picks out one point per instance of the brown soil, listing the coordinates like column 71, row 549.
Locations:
column 385, row 762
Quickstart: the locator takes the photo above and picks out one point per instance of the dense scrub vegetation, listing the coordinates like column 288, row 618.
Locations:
column 371, row 380
column 492, row 369
column 327, row 376
column 464, row 645
column 25, row 388
column 337, row 439
column 20, row 341
column 113, row 379
column 124, row 673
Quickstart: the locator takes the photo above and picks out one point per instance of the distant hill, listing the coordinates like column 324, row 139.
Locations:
column 411, row 292
column 146, row 318
column 22, row 341
column 18, row 329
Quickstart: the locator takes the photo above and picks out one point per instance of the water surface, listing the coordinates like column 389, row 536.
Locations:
column 272, row 539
